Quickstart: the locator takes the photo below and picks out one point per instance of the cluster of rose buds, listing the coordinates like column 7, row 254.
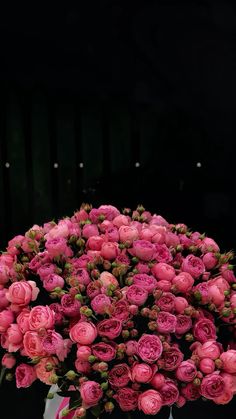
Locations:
column 123, row 308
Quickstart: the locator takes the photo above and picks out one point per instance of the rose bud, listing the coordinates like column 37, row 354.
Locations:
column 134, row 333
column 109, row 407
column 8, row 361
column 80, row 412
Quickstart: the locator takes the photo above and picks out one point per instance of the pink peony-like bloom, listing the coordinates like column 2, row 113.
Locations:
column 212, row 386
column 53, row 344
column 53, row 281
column 145, row 281
column 23, row 320
column 104, row 351
column 229, row 361
column 41, row 317
column 180, row 304
column 210, row 260
column 121, row 220
column 183, row 325
column 119, row 375
column 110, row 250
column 83, row 352
column 204, row 330
column 166, row 302
column 91, row 393
column 21, row 293
column 4, row 274
column 70, row 306
column 149, row 348
column 83, row 332
column 6, row 319
column 14, row 245
column 101, row 303
column 194, row 266
column 128, row 234
column 162, row 253
column 171, row 359
column 3, row 299
column 107, row 279
column 157, row 381
column 94, row 243
column 142, row 268
column 209, row 349
column 33, row 345
column 142, row 373
column 131, row 347
column 120, row 310
column 150, row 402
column 110, row 328
column 186, row 371
column 136, row 295
column 14, row 338
column 41, row 370
column 169, row 393
column 46, row 270
column 143, row 250
column 163, row 271
column 190, row 392
column 166, row 322
column 127, row 398
column 90, row 230
column 83, row 367
column 25, row 376
column 56, row 246
column 207, row 365
column 183, row 282
column 209, row 245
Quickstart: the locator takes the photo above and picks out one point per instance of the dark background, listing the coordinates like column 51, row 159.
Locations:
column 139, row 93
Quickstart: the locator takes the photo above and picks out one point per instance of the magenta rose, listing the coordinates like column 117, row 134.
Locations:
column 229, row 361
column 166, row 322
column 46, row 270
column 150, row 402
column 183, row 325
column 143, row 250
column 171, row 359
column 53, row 281
column 41, row 317
column 90, row 230
column 120, row 310
column 162, row 253
column 110, row 328
column 166, row 302
column 212, row 386
column 204, row 330
column 3, row 299
column 193, row 265
column 56, row 246
column 158, row 381
column 101, row 303
column 183, row 282
column 119, row 375
column 142, row 268
column 131, row 347
column 53, row 343
column 127, row 398
column 169, row 393
column 136, row 295
column 104, row 351
column 163, row 271
column 93, row 289
column 190, row 392
column 209, row 245
column 83, row 332
column 112, row 234
column 56, row 307
column 186, row 371
column 149, row 348
column 25, row 376
column 145, row 281
column 70, row 306
column 180, row 304
column 210, row 260
column 91, row 393
column 142, row 373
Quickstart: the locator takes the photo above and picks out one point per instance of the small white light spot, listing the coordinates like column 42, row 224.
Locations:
column 137, row 164
column 7, row 165
column 55, row 165
column 81, row 165
column 199, row 164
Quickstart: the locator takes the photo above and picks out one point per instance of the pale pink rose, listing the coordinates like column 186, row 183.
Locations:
column 212, row 386
column 46, row 270
column 100, row 304
column 14, row 337
column 70, row 306
column 6, row 319
column 143, row 250
column 207, row 365
column 83, row 332
column 83, row 353
column 136, row 295
column 110, row 250
column 166, row 322
column 56, row 246
column 163, row 271
column 90, row 230
column 209, row 245
column 25, row 376
column 95, row 243
column 8, row 361
column 194, row 266
column 229, row 361
column 186, row 371
column 3, row 299
column 128, row 234
column 183, row 282
column 209, row 349
column 53, row 281
column 82, row 367
column 41, row 317
column 142, row 373
column 121, row 220
column 23, row 320
column 91, row 393
column 33, row 345
column 157, row 381
column 4, row 274
column 14, row 245
column 209, row 260
column 169, row 393
column 148, row 282
column 107, row 279
column 150, row 402
column 21, row 293
column 180, row 304
column 41, row 371
column 58, row 231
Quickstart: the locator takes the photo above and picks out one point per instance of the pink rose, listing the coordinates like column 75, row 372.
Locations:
column 166, row 302
column 93, row 289
column 83, row 332
column 159, row 220
column 181, row 401
column 149, row 348
column 4, row 274
column 227, row 274
column 21, row 293
column 201, row 292
column 83, row 367
column 150, row 402
column 110, row 328
column 81, row 275
column 180, row 304
column 128, row 234
column 169, row 393
column 127, row 398
column 162, row 253
column 183, row 282
column 209, row 349
column 6, row 259
column 131, row 347
column 53, row 281
column 41, row 370
column 60, row 230
column 143, row 250
column 212, row 386
column 46, row 270
column 142, row 373
column 229, row 361
column 215, row 295
column 41, row 317
column 56, row 307
column 83, row 353
column 23, row 320
column 8, row 361
column 171, row 239
column 136, row 295
column 3, row 299
column 101, row 303
column 91, row 393
column 186, row 371
column 207, row 365
column 70, row 306
column 104, row 351
column 25, row 376
column 183, row 325
column 204, row 330
column 190, row 392
column 157, row 381
column 225, row 398
column 171, row 359
column 120, row 310
column 119, row 375
column 14, row 245
column 33, row 345
column 193, row 265
column 166, row 322
column 142, row 268
column 56, row 246
column 110, row 250
column 53, row 344
column 6, row 318
column 106, row 278
column 121, row 220
column 163, row 271
column 209, row 245
column 210, row 260
column 90, row 230
column 14, row 338
column 94, row 243
column 112, row 234
column 164, row 285
column 145, row 281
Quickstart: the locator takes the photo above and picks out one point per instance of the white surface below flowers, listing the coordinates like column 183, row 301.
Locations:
column 52, row 405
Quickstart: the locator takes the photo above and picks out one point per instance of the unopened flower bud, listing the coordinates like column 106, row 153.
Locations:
column 152, row 326
column 218, row 363
column 134, row 333
column 92, row 358
column 53, row 379
column 197, row 382
column 125, row 334
column 109, row 407
column 71, row 375
column 49, row 367
column 102, row 366
column 189, row 337
column 80, row 412
column 50, row 396
column 9, row 376
column 104, row 386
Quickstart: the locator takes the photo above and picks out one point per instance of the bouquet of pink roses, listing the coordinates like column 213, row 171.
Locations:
column 120, row 310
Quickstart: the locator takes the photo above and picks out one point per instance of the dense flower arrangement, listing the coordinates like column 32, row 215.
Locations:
column 121, row 310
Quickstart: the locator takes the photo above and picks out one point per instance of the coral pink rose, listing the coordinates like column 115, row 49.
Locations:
column 21, row 293
column 166, row 322
column 23, row 320
column 110, row 328
column 25, row 376
column 41, row 317
column 143, row 250
column 212, row 386
column 149, row 348
column 142, row 373
column 83, row 332
column 145, row 281
column 150, row 402
column 183, row 282
column 186, row 371
column 136, row 295
column 41, row 369
column 193, row 265
column 91, row 393
column 204, row 330
column 119, row 375
column 128, row 234
column 163, row 271
column 229, row 361
column 14, row 338
column 169, row 393
column 101, row 303
column 127, row 398
column 104, row 351
column 33, row 345
column 6, row 318
column 110, row 250
column 53, row 281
